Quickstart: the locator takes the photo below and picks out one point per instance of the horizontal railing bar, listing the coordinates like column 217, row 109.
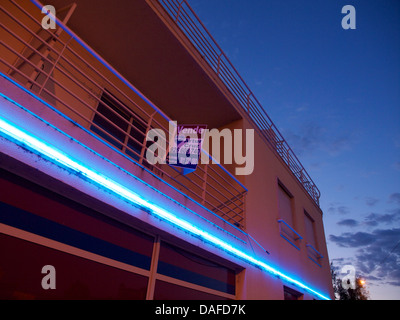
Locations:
column 30, row 16
column 291, row 228
column 227, row 182
column 319, row 255
column 25, row 43
column 209, row 185
column 198, row 35
column 99, row 86
column 219, row 185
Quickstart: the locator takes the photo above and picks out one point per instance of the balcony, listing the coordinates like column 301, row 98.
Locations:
column 60, row 68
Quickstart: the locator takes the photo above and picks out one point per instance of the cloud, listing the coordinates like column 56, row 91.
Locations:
column 302, row 108
column 353, row 240
column 373, row 219
column 370, row 220
column 395, row 198
column 377, row 255
column 312, row 137
column 370, row 201
column 308, row 139
column 375, row 248
column 348, row 223
column 392, row 217
column 340, row 209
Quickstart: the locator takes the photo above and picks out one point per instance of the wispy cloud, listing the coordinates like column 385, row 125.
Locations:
column 370, row 201
column 348, row 223
column 395, row 198
column 353, row 240
column 313, row 137
column 374, row 219
column 377, row 256
column 377, row 244
column 339, row 209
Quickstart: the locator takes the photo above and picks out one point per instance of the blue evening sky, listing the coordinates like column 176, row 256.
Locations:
column 335, row 96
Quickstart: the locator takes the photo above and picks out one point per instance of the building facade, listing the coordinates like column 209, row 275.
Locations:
column 85, row 215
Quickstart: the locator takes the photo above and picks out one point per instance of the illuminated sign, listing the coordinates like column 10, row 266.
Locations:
column 185, row 149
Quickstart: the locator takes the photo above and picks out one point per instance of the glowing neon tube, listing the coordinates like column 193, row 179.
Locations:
column 25, row 139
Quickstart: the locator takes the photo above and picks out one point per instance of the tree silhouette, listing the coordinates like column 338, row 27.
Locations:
column 359, row 293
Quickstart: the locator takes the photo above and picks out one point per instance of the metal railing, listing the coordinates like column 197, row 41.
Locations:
column 314, row 254
column 289, row 233
column 65, row 72
column 183, row 16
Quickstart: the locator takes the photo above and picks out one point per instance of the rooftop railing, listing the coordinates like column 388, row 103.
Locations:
column 183, row 16
column 70, row 76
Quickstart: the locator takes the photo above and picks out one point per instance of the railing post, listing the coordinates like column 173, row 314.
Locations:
column 244, row 208
column 51, row 43
column 127, row 134
column 53, row 66
column 204, row 191
column 144, row 138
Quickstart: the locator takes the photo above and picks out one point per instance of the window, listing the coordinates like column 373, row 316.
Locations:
column 121, row 128
column 285, row 204
column 192, row 276
column 168, row 291
column 312, row 245
column 95, row 257
column 291, row 294
column 310, row 231
column 285, row 207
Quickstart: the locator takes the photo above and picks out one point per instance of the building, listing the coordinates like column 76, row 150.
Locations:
column 78, row 195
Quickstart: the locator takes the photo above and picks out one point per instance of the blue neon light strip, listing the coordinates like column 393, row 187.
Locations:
column 122, row 154
column 25, row 139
